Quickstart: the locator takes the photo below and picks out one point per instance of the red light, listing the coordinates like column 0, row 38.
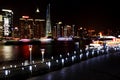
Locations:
column 25, row 17
column 114, row 39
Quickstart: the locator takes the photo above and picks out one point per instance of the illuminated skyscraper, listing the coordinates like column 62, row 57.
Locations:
column 48, row 22
column 31, row 28
column 7, row 20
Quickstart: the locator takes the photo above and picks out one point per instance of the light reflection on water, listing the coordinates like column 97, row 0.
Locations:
column 7, row 50
column 22, row 53
column 18, row 52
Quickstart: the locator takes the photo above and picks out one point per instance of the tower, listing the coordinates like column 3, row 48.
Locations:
column 7, row 18
column 48, row 22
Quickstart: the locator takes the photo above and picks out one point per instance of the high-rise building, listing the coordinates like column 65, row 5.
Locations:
column 6, row 23
column 31, row 28
column 25, row 28
column 48, row 22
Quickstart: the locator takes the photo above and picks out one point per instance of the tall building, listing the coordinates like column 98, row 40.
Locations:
column 48, row 22
column 39, row 30
column 6, row 23
column 25, row 28
column 31, row 28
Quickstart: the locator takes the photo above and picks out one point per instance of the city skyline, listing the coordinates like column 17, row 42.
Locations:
column 99, row 15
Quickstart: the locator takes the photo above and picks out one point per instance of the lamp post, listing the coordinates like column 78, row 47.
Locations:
column 42, row 52
column 30, row 49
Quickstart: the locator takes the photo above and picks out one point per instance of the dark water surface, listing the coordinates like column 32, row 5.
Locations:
column 22, row 52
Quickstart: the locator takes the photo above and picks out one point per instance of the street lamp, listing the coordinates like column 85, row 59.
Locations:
column 30, row 49
column 37, row 10
column 42, row 52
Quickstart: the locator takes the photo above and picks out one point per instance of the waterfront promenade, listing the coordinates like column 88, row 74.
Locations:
column 104, row 67
column 91, row 58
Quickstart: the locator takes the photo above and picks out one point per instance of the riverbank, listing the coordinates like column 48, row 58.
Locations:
column 27, row 70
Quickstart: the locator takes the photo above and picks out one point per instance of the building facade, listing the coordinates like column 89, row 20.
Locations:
column 6, row 23
column 31, row 28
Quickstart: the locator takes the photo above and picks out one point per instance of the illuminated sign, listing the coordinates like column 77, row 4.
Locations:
column 25, row 17
column 7, row 10
column 7, row 22
column 6, row 26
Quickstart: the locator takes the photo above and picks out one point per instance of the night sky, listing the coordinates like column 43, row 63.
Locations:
column 99, row 15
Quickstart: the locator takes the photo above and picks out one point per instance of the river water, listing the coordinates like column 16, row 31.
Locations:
column 22, row 52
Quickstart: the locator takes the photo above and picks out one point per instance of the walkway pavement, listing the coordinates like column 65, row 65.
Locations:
column 104, row 67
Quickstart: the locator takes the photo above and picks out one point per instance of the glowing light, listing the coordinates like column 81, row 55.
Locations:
column 60, row 56
column 80, row 50
column 100, row 34
column 11, row 66
column 7, row 52
column 15, row 66
column 30, row 68
column 33, row 62
column 49, row 64
column 87, row 53
column 93, row 52
column 57, row 61
column 22, row 64
column 37, row 10
column 62, row 62
column 81, row 56
column 25, row 17
column 35, row 65
column 75, row 52
column 1, row 18
column 39, row 19
column 96, row 46
column 6, row 72
column 25, row 40
column 109, row 37
column 30, row 49
column 86, row 47
column 64, row 39
column 81, row 28
column 26, row 63
column 68, row 53
column 72, row 58
column 52, row 57
column 102, row 51
column 3, row 67
column 7, row 10
column 6, row 26
column 66, row 58
column 22, row 68
column 42, row 52
column 59, row 22
column 97, row 51
column 119, row 36
column 44, row 39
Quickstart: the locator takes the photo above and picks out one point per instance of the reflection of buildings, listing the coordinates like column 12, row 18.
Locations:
column 6, row 23
column 1, row 27
column 31, row 28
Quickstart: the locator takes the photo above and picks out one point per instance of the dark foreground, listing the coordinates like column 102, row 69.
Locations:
column 104, row 67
